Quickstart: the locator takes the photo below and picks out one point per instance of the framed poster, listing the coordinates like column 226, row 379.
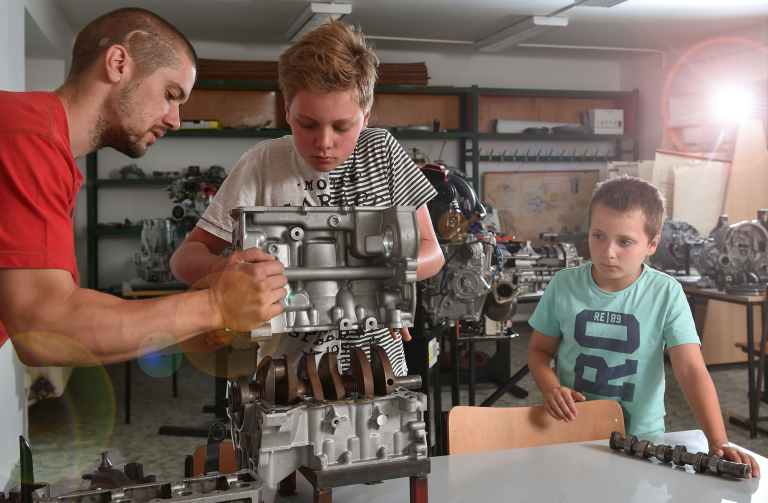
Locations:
column 530, row 202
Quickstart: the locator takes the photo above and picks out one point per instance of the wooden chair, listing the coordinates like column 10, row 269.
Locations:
column 479, row 429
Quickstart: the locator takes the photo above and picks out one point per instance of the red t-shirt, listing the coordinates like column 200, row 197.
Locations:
column 39, row 182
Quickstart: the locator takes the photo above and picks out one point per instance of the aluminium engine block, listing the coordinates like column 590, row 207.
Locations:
column 531, row 269
column 319, row 419
column 158, row 242
column 348, row 268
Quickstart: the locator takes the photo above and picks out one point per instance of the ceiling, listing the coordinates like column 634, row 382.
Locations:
column 647, row 24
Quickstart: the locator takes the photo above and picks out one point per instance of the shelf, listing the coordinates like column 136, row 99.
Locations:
column 274, row 86
column 132, row 182
column 426, row 135
column 549, row 137
column 117, row 232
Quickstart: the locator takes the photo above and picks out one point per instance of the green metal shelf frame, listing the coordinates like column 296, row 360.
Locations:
column 468, row 110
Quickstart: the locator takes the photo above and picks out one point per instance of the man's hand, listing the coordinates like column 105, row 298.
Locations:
column 732, row 453
column 403, row 331
column 248, row 292
column 559, row 403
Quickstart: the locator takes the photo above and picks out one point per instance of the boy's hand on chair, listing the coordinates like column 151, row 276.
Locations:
column 559, row 403
column 732, row 453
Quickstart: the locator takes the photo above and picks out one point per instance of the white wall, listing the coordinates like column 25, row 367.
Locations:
column 13, row 412
column 43, row 74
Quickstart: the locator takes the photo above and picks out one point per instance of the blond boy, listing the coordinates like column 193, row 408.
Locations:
column 607, row 322
column 331, row 159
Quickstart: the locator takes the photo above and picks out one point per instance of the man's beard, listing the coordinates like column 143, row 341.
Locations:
column 110, row 131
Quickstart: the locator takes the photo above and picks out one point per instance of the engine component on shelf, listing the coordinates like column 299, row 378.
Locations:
column 735, row 256
column 531, row 269
column 348, row 268
column 678, row 245
column 678, row 455
column 193, row 193
column 106, row 477
column 131, row 172
column 158, row 242
column 316, row 419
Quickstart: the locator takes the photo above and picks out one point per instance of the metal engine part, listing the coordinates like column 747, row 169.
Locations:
column 531, row 269
column 348, row 268
column 678, row 455
column 678, row 241
column 158, row 242
column 239, row 487
column 735, row 256
column 468, row 287
column 326, row 421
column 192, row 194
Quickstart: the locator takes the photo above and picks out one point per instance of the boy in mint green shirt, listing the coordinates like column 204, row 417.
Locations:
column 607, row 322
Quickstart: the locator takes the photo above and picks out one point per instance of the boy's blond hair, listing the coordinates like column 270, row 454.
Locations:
column 627, row 194
column 335, row 57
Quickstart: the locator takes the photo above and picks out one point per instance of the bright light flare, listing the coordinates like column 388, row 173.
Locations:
column 733, row 105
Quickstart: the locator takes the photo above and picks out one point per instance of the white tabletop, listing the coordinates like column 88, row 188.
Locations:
column 588, row 472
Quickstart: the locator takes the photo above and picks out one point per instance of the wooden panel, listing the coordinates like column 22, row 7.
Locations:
column 724, row 325
column 547, row 109
column 480, row 429
column 748, row 180
column 236, row 108
column 412, row 109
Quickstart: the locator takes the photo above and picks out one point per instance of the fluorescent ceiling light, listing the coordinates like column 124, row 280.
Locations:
column 313, row 16
column 601, row 3
column 525, row 29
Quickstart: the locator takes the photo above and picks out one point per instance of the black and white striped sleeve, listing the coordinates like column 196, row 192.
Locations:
column 408, row 185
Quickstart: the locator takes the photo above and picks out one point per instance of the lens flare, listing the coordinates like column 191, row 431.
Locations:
column 732, row 105
column 67, row 433
column 160, row 355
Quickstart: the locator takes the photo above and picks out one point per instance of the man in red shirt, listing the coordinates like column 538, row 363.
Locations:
column 131, row 71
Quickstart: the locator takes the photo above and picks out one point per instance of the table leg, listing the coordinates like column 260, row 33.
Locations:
column 128, row 392
column 471, row 373
column 322, row 496
column 455, row 375
column 437, row 398
column 419, row 489
column 751, row 371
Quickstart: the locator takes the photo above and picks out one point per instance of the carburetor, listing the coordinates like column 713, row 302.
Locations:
column 364, row 422
column 348, row 268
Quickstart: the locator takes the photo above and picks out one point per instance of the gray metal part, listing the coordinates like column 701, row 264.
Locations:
column 158, row 242
column 348, row 268
column 459, row 290
column 243, row 486
column 276, row 441
column 534, row 270
column 670, row 253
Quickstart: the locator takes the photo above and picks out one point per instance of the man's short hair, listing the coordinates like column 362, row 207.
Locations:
column 150, row 40
column 334, row 57
column 627, row 194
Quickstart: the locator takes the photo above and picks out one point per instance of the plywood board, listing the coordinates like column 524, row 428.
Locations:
column 531, row 202
column 726, row 324
column 748, row 182
column 549, row 109
column 236, row 108
column 420, row 110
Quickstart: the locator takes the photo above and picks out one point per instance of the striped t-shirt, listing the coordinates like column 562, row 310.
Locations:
column 378, row 173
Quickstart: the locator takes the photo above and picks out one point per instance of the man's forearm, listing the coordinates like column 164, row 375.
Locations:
column 193, row 261
column 430, row 259
column 111, row 328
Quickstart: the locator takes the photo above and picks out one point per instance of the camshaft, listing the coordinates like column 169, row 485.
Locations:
column 678, row 455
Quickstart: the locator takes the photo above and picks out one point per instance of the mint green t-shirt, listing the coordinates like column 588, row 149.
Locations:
column 613, row 343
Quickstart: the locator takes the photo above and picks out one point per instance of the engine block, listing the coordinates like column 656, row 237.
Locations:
column 348, row 268
column 324, row 421
column 531, row 269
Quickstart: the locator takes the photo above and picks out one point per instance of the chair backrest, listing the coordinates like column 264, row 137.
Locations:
column 479, row 429
column 227, row 461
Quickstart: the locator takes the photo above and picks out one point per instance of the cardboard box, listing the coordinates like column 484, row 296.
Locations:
column 604, row 121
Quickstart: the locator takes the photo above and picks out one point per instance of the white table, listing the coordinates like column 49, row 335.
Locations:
column 588, row 472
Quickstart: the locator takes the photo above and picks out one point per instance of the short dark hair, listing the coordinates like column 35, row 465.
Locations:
column 150, row 40
column 627, row 194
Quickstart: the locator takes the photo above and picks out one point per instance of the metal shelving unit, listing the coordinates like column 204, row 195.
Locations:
column 469, row 100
